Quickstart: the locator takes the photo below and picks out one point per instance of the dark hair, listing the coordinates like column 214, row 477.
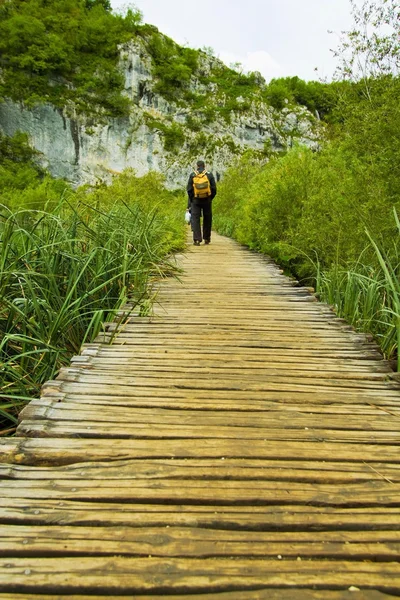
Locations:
column 200, row 164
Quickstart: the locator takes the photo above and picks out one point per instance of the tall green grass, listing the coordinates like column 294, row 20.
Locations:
column 66, row 271
column 368, row 296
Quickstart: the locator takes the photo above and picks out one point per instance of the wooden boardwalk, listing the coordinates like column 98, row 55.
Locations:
column 241, row 444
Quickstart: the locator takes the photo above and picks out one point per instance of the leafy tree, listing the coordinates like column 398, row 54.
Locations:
column 61, row 50
column 372, row 47
column 173, row 65
column 316, row 96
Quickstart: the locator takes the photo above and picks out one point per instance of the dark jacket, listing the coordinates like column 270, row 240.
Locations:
column 190, row 190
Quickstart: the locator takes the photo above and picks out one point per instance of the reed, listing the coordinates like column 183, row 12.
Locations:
column 66, row 272
column 368, row 295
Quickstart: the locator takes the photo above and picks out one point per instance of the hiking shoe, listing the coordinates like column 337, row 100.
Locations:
column 196, row 243
column 207, row 241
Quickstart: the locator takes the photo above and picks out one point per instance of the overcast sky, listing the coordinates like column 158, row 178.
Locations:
column 279, row 38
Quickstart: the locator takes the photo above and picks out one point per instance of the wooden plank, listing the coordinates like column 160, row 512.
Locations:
column 249, row 470
column 277, row 342
column 252, row 384
column 379, row 421
column 207, row 491
column 239, row 352
column 29, row 511
column 46, row 451
column 158, row 575
column 296, row 395
column 212, row 337
column 43, row 541
column 323, row 407
column 161, row 325
column 93, row 429
column 222, row 373
column 167, row 363
column 269, row 594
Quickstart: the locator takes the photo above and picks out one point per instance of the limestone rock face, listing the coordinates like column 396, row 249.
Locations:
column 75, row 149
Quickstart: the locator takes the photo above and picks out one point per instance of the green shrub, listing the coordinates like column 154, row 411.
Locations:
column 173, row 135
column 316, row 96
column 173, row 65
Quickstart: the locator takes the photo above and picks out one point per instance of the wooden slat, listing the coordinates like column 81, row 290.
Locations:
column 159, row 575
column 327, row 396
column 269, row 594
column 322, row 406
column 211, row 492
column 47, row 451
column 250, row 470
column 90, row 429
column 252, row 518
column 161, row 417
column 44, row 541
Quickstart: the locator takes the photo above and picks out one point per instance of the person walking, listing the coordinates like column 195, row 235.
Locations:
column 201, row 189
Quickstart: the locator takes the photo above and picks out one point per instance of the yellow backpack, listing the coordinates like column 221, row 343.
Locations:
column 201, row 185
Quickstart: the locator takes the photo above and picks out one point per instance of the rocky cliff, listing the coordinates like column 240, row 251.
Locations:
column 158, row 134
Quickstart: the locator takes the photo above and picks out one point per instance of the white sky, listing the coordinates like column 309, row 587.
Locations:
column 279, row 38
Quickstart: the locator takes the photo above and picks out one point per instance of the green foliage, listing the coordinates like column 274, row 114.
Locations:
column 66, row 271
column 193, row 123
column 18, row 170
column 173, row 65
column 234, row 83
column 316, row 96
column 47, row 45
column 15, row 150
column 22, row 182
column 172, row 134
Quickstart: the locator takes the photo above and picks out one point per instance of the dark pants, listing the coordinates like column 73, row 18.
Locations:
column 200, row 207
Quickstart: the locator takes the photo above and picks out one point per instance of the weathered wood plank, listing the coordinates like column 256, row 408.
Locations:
column 166, row 364
column 379, row 422
column 306, row 395
column 27, row 511
column 173, row 371
column 280, row 382
column 42, row 541
column 316, row 406
column 325, row 408
column 249, row 470
column 211, row 492
column 64, row 451
column 92, row 429
column 159, row 575
column 269, row 594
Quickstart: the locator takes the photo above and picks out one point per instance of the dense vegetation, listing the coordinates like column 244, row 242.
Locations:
column 320, row 98
column 331, row 217
column 63, row 51
column 68, row 261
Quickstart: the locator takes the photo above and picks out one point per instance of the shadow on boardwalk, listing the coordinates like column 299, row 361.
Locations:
column 241, row 443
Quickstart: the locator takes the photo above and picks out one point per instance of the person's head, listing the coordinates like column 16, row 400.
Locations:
column 200, row 165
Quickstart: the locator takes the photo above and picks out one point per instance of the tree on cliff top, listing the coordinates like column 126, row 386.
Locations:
column 60, row 50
